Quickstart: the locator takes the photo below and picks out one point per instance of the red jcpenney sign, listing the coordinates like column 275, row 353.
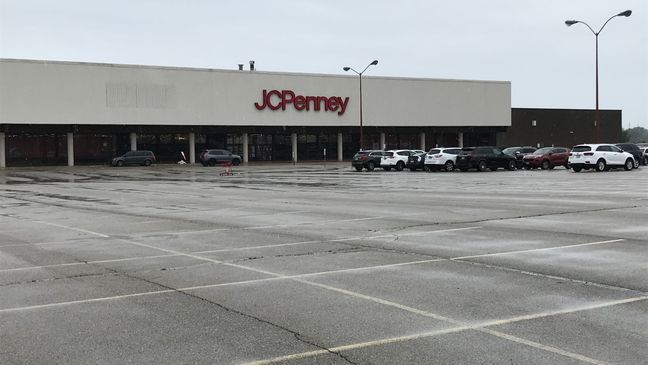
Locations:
column 275, row 100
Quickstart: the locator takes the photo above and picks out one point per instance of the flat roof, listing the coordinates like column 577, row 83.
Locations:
column 179, row 68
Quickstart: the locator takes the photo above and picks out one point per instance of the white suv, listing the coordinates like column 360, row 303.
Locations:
column 395, row 159
column 601, row 157
column 441, row 158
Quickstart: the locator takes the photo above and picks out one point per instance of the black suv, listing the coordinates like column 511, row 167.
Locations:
column 635, row 151
column 416, row 161
column 519, row 153
column 145, row 158
column 368, row 159
column 482, row 158
column 214, row 157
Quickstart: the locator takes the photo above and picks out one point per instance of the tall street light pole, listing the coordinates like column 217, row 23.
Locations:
column 569, row 23
column 373, row 63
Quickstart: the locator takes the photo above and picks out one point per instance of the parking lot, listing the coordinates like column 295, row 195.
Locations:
column 316, row 263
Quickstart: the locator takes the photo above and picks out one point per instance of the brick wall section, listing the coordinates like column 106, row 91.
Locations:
column 560, row 127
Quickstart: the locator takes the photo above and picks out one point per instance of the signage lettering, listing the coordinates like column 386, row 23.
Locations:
column 275, row 100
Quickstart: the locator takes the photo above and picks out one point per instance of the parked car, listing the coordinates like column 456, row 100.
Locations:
column 519, row 153
column 145, row 158
column 483, row 158
column 217, row 156
column 368, row 159
column 547, row 158
column 442, row 158
column 416, row 161
column 395, row 159
column 645, row 155
column 635, row 151
column 601, row 157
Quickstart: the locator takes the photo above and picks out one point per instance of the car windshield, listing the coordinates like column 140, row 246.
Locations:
column 542, row 151
column 581, row 148
column 511, row 150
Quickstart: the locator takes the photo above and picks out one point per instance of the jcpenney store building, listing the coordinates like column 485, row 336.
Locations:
column 67, row 113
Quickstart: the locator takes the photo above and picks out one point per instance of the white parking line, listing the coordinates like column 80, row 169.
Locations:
column 74, row 229
column 537, row 249
column 87, row 263
column 208, row 286
column 219, row 250
column 461, row 327
column 83, row 301
column 355, row 346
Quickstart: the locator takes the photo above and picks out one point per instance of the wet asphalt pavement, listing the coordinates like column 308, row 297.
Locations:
column 319, row 264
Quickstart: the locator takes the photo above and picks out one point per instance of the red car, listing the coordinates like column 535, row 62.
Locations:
column 547, row 158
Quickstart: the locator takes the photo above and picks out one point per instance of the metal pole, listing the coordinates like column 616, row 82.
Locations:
column 361, row 135
column 597, row 116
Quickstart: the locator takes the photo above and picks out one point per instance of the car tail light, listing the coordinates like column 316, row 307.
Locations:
column 588, row 154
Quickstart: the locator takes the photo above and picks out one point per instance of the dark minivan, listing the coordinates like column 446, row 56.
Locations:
column 145, row 158
column 483, row 158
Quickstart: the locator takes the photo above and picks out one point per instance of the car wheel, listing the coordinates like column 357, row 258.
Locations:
column 629, row 165
column 481, row 166
column 576, row 169
column 636, row 164
column 236, row 162
column 427, row 168
column 358, row 168
column 546, row 165
column 400, row 166
column 601, row 165
column 212, row 163
column 120, row 163
column 387, row 168
column 449, row 166
column 511, row 166
column 645, row 161
column 147, row 162
column 371, row 166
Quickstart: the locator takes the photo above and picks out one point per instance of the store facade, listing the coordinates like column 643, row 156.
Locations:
column 70, row 113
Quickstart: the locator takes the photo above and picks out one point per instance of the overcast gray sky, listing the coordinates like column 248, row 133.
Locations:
column 522, row 41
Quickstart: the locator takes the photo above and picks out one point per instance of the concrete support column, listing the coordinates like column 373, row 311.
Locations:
column 339, row 146
column 422, row 139
column 192, row 148
column 382, row 141
column 460, row 137
column 70, row 148
column 3, row 156
column 246, row 142
column 133, row 141
column 293, row 139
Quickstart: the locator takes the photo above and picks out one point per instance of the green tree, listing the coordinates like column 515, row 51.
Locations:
column 635, row 135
